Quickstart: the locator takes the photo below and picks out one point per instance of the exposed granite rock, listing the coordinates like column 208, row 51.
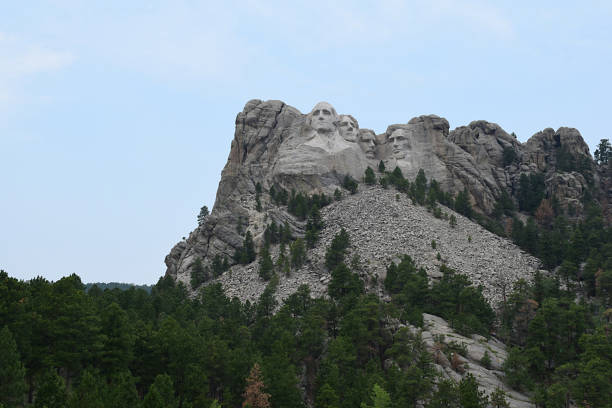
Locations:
column 382, row 229
column 276, row 145
column 437, row 329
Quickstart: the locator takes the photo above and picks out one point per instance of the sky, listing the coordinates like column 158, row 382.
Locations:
column 116, row 117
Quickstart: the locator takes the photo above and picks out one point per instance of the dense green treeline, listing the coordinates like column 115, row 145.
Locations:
column 65, row 346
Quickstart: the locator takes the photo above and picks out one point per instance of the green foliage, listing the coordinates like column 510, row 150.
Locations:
column 297, row 253
column 51, row 391
column 219, row 266
column 420, row 187
column 161, row 393
column 453, row 221
column 485, row 361
column 337, row 250
column 344, row 283
column 337, row 194
column 603, row 152
column 462, row 204
column 12, row 372
column 202, row 215
column 498, row 399
column 369, row 177
column 266, row 265
column 381, row 167
column 350, row 184
column 246, row 254
column 380, row 398
column 469, row 394
column 509, row 156
column 531, row 192
column 199, row 274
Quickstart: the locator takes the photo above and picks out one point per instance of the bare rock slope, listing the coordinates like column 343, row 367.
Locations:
column 382, row 228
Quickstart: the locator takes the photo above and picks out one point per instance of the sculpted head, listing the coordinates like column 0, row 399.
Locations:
column 349, row 128
column 399, row 141
column 323, row 118
column 367, row 141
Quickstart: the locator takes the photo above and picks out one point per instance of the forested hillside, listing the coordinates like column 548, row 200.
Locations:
column 64, row 346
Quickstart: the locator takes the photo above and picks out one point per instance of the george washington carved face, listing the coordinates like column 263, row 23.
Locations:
column 348, row 127
column 323, row 118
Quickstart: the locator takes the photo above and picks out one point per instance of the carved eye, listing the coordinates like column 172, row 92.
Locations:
column 315, row 113
column 343, row 124
column 326, row 112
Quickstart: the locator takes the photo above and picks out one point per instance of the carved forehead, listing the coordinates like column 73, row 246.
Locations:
column 367, row 134
column 324, row 105
column 349, row 118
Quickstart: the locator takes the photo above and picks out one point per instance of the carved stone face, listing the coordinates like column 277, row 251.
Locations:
column 349, row 129
column 323, row 118
column 400, row 143
column 367, row 141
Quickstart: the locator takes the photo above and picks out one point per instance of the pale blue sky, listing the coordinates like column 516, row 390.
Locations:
column 116, row 119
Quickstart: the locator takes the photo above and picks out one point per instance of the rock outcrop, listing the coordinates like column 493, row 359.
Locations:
column 277, row 146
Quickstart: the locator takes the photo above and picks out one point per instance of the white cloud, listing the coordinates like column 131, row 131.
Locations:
column 20, row 60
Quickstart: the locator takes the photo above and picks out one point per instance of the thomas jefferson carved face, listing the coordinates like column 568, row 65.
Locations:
column 399, row 140
column 349, row 129
column 323, row 118
column 367, row 141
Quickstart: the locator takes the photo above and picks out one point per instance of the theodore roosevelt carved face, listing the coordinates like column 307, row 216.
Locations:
column 348, row 127
column 323, row 118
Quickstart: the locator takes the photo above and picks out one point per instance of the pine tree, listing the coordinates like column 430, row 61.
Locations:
column 369, row 178
column 266, row 266
column 202, row 215
column 161, row 393
column 12, row 372
column 199, row 274
column 254, row 395
column 297, row 253
column 381, row 166
column 51, row 392
column 380, row 398
column 469, row 394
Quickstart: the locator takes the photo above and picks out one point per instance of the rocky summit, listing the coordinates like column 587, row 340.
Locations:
column 277, row 147
column 418, row 194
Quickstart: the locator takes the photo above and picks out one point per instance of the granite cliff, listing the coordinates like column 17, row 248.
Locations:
column 277, row 146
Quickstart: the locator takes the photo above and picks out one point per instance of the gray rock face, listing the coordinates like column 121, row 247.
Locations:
column 382, row 229
column 276, row 145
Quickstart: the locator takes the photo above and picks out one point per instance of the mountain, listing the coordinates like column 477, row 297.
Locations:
column 303, row 194
column 277, row 148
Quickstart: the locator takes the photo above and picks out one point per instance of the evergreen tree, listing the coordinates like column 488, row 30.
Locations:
column 381, row 166
column 198, row 273
column 51, row 392
column 462, row 204
column 380, row 398
column 118, row 339
column 337, row 250
column 297, row 253
column 89, row 393
column 369, row 177
column 350, row 184
column 469, row 394
column 603, row 152
column 161, row 393
column 420, row 187
column 202, row 215
column 12, row 372
column 266, row 266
